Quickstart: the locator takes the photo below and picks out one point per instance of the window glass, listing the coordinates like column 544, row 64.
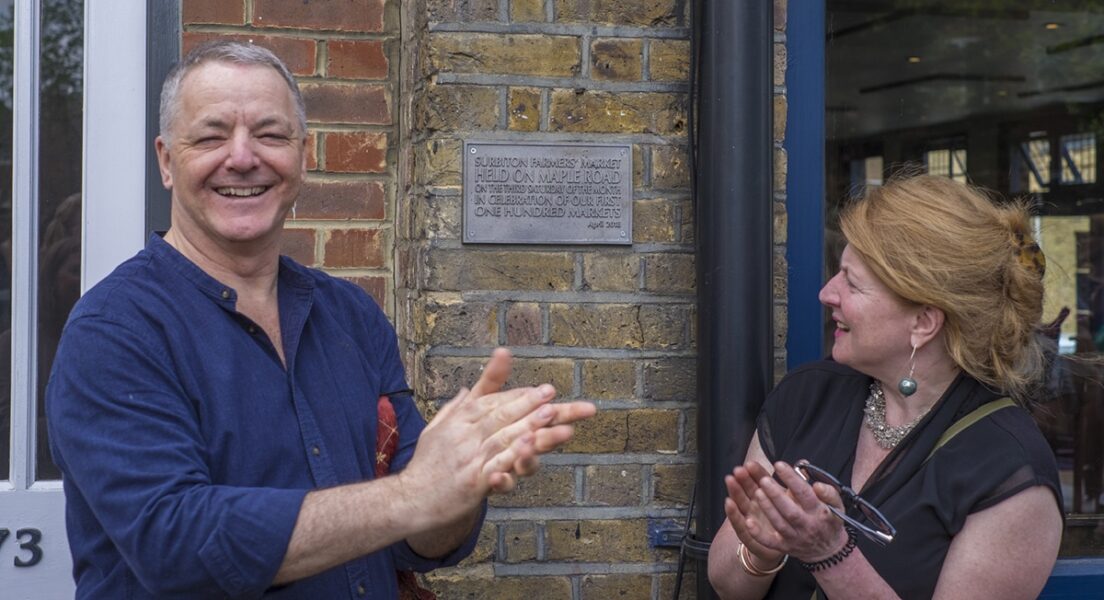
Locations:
column 1015, row 88
column 7, row 58
column 59, row 186
column 59, row 205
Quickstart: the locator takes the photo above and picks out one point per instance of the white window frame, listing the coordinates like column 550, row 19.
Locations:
column 114, row 152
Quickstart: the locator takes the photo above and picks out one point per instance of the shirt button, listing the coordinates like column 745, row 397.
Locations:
column 315, row 451
column 225, row 294
column 361, row 591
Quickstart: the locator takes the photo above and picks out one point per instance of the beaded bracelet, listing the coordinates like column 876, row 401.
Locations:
column 754, row 571
column 836, row 558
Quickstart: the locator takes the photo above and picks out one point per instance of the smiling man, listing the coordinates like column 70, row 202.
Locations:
column 226, row 419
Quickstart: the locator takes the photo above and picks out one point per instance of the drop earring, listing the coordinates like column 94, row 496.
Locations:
column 907, row 385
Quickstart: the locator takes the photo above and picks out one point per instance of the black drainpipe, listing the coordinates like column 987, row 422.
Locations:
column 734, row 171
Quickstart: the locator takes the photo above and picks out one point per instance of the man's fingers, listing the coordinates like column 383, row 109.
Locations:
column 503, row 462
column 570, row 412
column 550, row 438
column 502, row 483
column 527, row 465
column 506, row 425
column 514, row 406
column 495, row 373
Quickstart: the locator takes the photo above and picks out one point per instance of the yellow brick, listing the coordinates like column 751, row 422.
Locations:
column 560, row 372
column 604, row 433
column 670, row 167
column 669, row 60
column 522, row 11
column 670, row 273
column 638, row 166
column 654, row 221
column 609, row 112
column 551, row 486
column 652, row 326
column 454, row 322
column 604, row 587
column 515, row 54
column 599, row 541
column 780, row 107
column 609, row 379
column 469, row 10
column 611, row 272
column 673, row 483
column 616, row 59
column 648, row 13
column 499, row 270
column 453, row 107
column 524, row 110
column 439, row 160
column 519, row 541
column 780, row 168
column 780, row 64
column 492, row 587
column 614, row 485
column 652, row 431
column 670, row 379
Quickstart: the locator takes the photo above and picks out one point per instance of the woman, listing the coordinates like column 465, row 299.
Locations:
column 936, row 305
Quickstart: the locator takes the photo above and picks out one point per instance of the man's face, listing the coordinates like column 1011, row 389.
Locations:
column 236, row 158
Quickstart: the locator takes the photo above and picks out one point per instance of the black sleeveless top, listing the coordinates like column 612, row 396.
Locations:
column 816, row 412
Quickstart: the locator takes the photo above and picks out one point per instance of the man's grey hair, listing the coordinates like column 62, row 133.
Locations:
column 239, row 53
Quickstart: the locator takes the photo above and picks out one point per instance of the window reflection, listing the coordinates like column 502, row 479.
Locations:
column 59, row 185
column 7, row 41
column 59, row 209
column 1015, row 88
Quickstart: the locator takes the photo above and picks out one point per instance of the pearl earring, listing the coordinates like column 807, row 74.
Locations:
column 907, row 385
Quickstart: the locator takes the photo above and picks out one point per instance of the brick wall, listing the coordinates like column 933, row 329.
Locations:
column 343, row 53
column 609, row 324
column 780, row 269
column 393, row 89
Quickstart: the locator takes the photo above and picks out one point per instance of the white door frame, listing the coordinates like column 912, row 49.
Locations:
column 113, row 191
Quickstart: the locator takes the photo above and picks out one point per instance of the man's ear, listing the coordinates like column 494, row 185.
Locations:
column 162, row 150
column 927, row 325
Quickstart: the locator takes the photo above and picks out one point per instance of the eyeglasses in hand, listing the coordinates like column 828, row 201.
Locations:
column 882, row 531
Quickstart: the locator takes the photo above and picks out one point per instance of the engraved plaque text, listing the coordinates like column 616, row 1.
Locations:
column 547, row 193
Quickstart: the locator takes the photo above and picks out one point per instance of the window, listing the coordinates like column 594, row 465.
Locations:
column 1016, row 89
column 947, row 162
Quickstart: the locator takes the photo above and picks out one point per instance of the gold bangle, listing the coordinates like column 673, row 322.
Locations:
column 751, row 569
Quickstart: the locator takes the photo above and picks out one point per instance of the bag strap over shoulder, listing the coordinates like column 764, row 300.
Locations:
column 974, row 416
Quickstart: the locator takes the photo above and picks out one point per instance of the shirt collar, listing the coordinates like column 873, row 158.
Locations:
column 290, row 274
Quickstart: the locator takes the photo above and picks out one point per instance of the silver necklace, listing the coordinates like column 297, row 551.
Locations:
column 875, row 420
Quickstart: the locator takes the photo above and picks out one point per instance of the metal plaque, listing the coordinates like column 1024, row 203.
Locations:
column 547, row 193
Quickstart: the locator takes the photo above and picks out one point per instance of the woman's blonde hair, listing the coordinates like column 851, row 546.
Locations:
column 935, row 241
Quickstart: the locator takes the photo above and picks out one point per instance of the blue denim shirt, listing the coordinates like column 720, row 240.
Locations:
column 186, row 447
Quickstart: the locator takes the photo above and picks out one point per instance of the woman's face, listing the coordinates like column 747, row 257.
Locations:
column 872, row 322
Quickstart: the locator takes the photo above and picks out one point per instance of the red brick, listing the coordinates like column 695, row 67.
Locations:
column 296, row 52
column 312, row 151
column 223, row 12
column 341, row 15
column 356, row 59
column 375, row 286
column 354, row 248
column 299, row 245
column 356, row 152
column 340, row 200
column 359, row 104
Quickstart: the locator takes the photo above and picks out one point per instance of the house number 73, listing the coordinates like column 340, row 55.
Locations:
column 28, row 540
